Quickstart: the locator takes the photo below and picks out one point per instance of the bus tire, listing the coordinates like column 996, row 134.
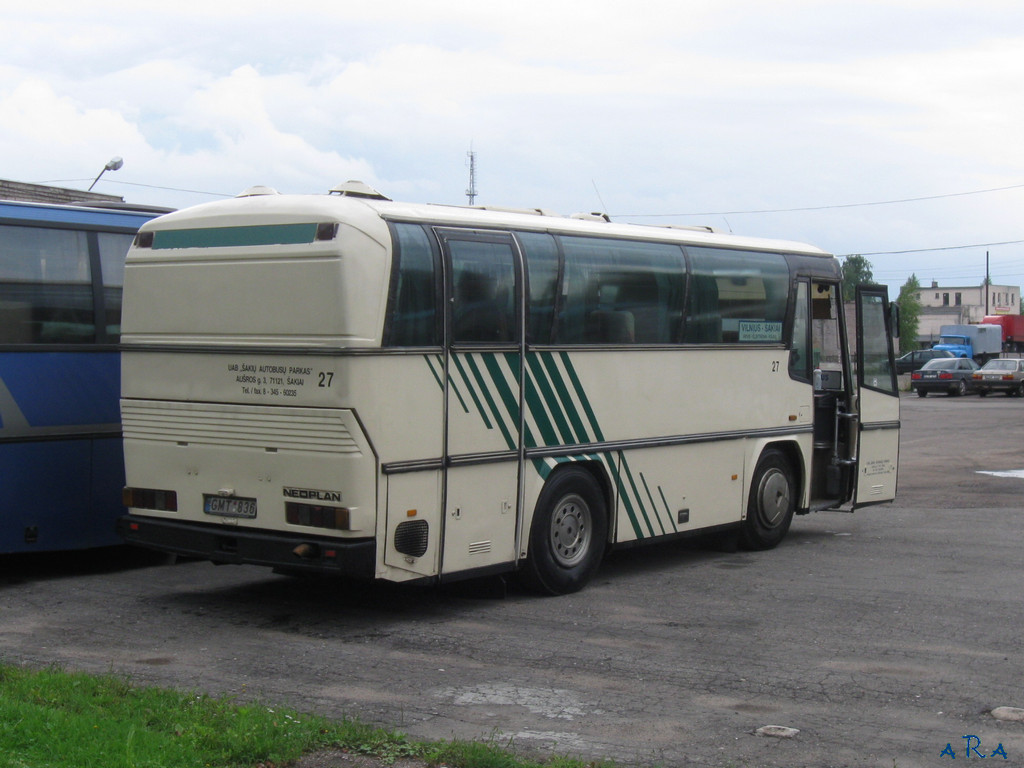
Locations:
column 771, row 503
column 568, row 534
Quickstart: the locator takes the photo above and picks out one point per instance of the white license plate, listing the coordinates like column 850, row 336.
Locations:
column 229, row 506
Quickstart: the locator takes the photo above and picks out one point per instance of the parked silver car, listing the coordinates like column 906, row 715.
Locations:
column 1002, row 375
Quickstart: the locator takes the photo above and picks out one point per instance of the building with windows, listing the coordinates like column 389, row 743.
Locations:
column 961, row 305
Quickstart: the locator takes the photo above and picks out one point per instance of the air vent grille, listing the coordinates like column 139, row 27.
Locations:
column 411, row 537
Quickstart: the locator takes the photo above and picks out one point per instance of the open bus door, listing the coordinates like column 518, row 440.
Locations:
column 878, row 399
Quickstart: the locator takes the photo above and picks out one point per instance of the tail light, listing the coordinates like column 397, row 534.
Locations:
column 150, row 498
column 945, row 375
column 915, row 376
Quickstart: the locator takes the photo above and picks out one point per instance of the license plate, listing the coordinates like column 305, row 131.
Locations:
column 229, row 506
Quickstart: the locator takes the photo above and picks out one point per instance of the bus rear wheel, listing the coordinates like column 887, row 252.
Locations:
column 771, row 503
column 568, row 534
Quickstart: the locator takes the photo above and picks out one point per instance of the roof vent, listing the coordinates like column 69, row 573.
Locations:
column 503, row 209
column 596, row 216
column 257, row 191
column 693, row 227
column 358, row 189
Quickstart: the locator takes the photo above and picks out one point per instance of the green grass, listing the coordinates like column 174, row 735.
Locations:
column 55, row 719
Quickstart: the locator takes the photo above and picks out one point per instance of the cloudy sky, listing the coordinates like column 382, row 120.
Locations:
column 879, row 128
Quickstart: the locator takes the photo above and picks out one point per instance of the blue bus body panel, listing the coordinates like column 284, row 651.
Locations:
column 61, row 450
column 61, row 460
column 54, row 389
column 50, row 501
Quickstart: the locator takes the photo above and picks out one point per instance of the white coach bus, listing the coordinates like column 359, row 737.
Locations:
column 347, row 384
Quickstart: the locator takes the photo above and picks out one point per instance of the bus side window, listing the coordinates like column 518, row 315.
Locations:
column 621, row 292
column 483, row 291
column 703, row 321
column 543, row 268
column 113, row 247
column 736, row 297
column 412, row 305
column 46, row 292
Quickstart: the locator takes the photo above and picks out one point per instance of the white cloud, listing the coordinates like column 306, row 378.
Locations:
column 654, row 107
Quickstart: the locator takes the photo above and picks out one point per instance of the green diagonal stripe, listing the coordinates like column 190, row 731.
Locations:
column 555, row 433
column 654, row 506
column 584, row 401
column 472, row 390
column 562, row 401
column 499, row 416
column 668, row 509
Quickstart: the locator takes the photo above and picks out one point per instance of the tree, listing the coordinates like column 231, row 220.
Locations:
column 910, row 313
column 856, row 270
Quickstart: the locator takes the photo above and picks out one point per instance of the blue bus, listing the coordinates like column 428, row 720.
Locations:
column 61, row 273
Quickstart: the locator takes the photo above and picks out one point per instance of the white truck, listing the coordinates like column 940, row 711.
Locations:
column 981, row 342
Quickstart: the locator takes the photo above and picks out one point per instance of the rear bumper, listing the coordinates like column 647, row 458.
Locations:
column 997, row 386
column 252, row 547
column 941, row 386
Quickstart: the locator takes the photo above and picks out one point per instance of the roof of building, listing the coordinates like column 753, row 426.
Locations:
column 42, row 193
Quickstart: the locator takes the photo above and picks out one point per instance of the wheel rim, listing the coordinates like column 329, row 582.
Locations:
column 773, row 497
column 571, row 528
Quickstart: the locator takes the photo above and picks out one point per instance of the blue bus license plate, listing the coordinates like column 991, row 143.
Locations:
column 229, row 506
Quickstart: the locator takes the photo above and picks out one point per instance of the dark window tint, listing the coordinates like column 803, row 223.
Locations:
column 542, row 265
column 799, row 355
column 45, row 287
column 483, row 291
column 620, row 292
column 412, row 312
column 113, row 249
column 876, row 372
column 736, row 297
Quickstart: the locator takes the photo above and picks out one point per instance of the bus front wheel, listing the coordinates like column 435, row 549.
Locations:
column 568, row 534
column 771, row 503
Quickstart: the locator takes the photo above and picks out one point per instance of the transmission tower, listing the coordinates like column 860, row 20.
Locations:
column 471, row 189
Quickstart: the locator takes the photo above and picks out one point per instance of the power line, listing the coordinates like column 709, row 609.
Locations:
column 136, row 184
column 927, row 250
column 822, row 207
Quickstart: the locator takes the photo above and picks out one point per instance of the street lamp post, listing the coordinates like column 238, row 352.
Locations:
column 112, row 165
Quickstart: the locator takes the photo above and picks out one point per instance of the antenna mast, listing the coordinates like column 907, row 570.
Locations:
column 471, row 189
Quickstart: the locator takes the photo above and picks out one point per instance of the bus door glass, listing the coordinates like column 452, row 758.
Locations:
column 833, row 428
column 484, row 374
column 878, row 452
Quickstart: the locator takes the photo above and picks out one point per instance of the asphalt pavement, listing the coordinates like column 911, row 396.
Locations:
column 884, row 637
